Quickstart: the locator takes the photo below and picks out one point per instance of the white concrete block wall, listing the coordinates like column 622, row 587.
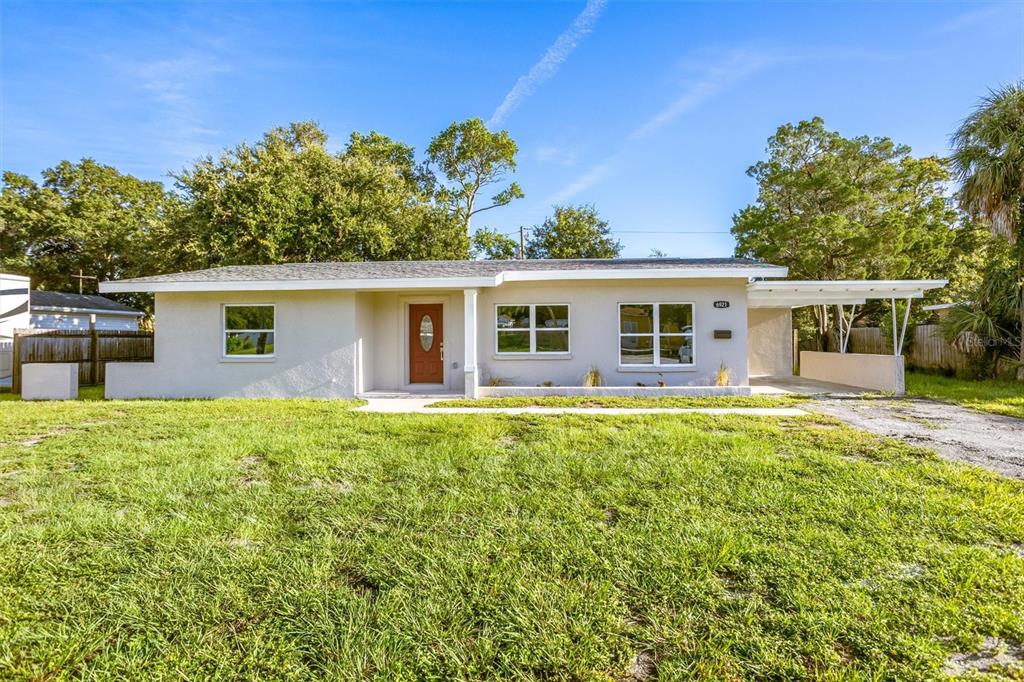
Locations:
column 49, row 381
column 864, row 370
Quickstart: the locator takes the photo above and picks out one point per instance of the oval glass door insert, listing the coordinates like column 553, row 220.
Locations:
column 426, row 333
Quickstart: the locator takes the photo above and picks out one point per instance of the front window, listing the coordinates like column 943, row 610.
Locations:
column 656, row 334
column 532, row 328
column 249, row 331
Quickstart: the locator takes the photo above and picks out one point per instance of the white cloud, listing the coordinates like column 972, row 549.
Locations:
column 713, row 80
column 563, row 156
column 969, row 18
column 716, row 78
column 175, row 86
column 584, row 182
column 549, row 63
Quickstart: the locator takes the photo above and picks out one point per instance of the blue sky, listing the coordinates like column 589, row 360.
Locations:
column 650, row 111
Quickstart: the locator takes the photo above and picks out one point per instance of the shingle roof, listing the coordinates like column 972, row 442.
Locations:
column 59, row 299
column 434, row 269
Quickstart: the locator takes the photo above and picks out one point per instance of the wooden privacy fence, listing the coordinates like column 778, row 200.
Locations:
column 92, row 349
column 925, row 346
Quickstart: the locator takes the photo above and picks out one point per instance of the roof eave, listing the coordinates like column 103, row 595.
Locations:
column 142, row 285
column 90, row 311
column 128, row 285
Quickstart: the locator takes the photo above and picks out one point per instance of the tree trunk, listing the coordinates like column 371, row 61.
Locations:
column 1020, row 331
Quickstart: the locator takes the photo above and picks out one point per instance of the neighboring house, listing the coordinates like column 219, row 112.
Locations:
column 13, row 315
column 59, row 310
column 475, row 327
column 13, row 304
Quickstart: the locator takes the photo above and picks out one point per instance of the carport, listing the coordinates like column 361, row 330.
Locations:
column 861, row 370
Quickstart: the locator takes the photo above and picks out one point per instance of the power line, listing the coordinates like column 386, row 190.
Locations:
column 517, row 230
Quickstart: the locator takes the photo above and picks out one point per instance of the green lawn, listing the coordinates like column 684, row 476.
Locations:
column 84, row 393
column 786, row 400
column 298, row 539
column 999, row 397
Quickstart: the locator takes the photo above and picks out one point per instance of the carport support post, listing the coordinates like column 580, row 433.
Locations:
column 469, row 324
column 898, row 341
column 895, row 349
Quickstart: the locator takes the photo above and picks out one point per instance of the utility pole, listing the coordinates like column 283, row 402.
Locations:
column 81, row 278
column 522, row 243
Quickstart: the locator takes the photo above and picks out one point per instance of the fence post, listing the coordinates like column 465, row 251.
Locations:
column 16, row 366
column 94, row 352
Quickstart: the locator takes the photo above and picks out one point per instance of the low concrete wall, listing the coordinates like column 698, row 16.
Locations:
column 49, row 381
column 639, row 391
column 875, row 372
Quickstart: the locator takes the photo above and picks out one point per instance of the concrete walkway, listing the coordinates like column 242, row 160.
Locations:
column 422, row 406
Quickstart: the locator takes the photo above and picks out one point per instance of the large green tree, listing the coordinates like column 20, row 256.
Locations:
column 573, row 232
column 832, row 207
column 287, row 198
column 490, row 244
column 989, row 160
column 471, row 157
column 82, row 216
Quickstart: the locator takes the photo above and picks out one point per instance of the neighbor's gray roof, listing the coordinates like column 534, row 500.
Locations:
column 59, row 299
column 434, row 269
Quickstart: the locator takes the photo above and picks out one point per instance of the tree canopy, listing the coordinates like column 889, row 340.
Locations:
column 988, row 157
column 832, row 207
column 288, row 199
column 490, row 244
column 84, row 216
column 471, row 157
column 572, row 232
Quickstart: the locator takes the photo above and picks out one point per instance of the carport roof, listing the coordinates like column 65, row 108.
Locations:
column 794, row 294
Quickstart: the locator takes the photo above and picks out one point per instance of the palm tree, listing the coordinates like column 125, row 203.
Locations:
column 988, row 155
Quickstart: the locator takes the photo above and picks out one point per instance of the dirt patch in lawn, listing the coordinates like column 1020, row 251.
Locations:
column 994, row 655
column 992, row 441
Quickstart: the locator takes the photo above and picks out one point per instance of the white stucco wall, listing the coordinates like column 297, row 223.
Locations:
column 594, row 331
column 315, row 349
column 339, row 344
column 770, row 342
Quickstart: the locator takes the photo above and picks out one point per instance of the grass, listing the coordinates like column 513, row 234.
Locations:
column 84, row 393
column 301, row 540
column 990, row 395
column 785, row 400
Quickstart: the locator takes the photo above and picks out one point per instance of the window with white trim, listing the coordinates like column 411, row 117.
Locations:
column 656, row 334
column 534, row 328
column 248, row 331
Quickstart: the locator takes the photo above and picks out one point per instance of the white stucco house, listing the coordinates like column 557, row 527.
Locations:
column 470, row 327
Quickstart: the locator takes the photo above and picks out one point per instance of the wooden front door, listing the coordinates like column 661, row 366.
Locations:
column 426, row 339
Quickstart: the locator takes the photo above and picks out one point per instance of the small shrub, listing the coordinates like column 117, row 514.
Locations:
column 593, row 377
column 722, row 376
column 495, row 381
column 548, row 384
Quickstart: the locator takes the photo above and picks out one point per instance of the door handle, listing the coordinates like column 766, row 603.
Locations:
column 442, row 350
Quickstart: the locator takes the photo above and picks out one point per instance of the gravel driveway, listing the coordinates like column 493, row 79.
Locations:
column 988, row 440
